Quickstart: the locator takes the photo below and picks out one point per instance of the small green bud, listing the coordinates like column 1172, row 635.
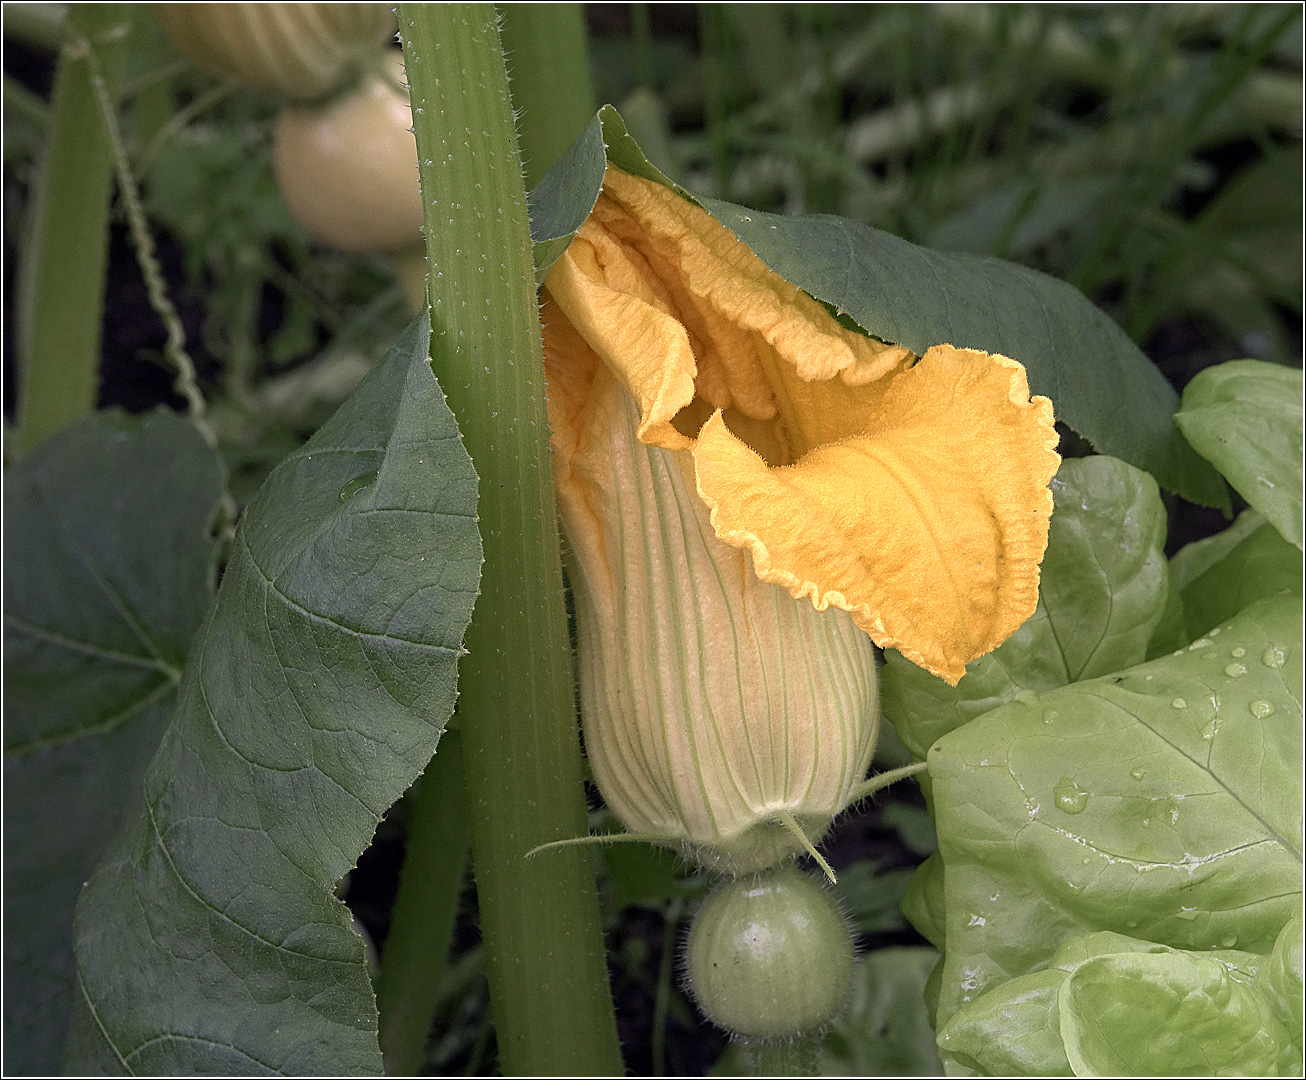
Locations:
column 770, row 957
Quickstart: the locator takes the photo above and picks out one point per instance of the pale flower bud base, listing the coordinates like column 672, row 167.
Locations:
column 714, row 703
column 758, row 848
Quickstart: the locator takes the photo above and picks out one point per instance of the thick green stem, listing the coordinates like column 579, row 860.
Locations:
column 539, row 917
column 415, row 959
column 784, row 1057
column 62, row 301
column 544, row 45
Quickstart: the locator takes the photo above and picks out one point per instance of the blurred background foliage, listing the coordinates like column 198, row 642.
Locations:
column 1149, row 154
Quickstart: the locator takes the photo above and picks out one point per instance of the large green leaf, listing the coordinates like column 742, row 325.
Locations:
column 1101, row 596
column 109, row 569
column 209, row 938
column 1224, row 573
column 1099, row 381
column 1245, row 416
column 1163, row 803
column 565, row 196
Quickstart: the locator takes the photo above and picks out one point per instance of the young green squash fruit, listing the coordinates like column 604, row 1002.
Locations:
column 770, row 956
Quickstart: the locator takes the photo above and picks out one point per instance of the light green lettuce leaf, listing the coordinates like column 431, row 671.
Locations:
column 924, row 901
column 1223, row 574
column 1162, row 803
column 1280, row 979
column 1245, row 417
column 1015, row 1029
column 1169, row 1014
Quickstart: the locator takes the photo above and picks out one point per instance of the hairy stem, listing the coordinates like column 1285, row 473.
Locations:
column 415, row 960
column 539, row 917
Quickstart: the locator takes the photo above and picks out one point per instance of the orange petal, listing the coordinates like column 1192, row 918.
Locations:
column 678, row 308
column 614, row 305
column 928, row 527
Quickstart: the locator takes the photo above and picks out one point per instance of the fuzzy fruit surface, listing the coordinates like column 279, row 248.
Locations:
column 770, row 956
column 348, row 170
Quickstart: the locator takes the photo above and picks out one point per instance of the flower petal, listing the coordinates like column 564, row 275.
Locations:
column 928, row 527
column 680, row 309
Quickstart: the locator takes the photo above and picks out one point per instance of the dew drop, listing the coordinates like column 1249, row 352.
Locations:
column 1179, row 703
column 1049, row 715
column 1200, row 643
column 1272, row 657
column 1234, row 670
column 1208, row 731
column 1229, row 942
column 1147, row 821
column 1238, row 653
column 1137, row 774
column 1261, row 709
column 1213, row 633
column 1187, row 913
column 357, row 484
column 1071, row 798
column 1086, row 860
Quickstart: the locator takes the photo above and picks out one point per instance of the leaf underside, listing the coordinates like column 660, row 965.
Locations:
column 209, row 939
column 108, row 574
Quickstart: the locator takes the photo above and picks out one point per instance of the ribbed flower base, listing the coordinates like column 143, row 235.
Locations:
column 712, row 701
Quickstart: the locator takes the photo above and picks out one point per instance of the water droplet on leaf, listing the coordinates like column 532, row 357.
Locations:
column 1071, row 798
column 1234, row 670
column 1137, row 774
column 1179, row 703
column 357, row 484
column 1261, row 709
column 1272, row 657
column 1238, row 653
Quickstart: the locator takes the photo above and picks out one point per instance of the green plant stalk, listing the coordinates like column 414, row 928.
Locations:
column 784, row 1057
column 61, row 301
column 714, row 32
column 24, row 104
column 415, row 959
column 662, row 1002
column 540, row 917
column 42, row 25
column 549, row 69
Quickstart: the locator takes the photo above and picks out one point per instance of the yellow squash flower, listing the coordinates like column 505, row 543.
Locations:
column 717, row 433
